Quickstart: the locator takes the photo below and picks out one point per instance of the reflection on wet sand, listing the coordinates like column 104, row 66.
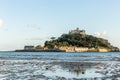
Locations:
column 76, row 68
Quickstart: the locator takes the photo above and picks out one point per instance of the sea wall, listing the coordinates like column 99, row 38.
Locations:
column 81, row 49
column 103, row 50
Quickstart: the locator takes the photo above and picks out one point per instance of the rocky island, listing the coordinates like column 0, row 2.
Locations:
column 78, row 41
column 75, row 41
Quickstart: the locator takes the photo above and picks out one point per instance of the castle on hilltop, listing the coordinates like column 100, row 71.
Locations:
column 77, row 31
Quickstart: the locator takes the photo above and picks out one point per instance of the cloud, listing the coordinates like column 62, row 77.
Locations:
column 104, row 33
column 98, row 34
column 1, row 23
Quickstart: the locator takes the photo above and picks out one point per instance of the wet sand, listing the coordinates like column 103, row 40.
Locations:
column 59, row 66
column 59, row 70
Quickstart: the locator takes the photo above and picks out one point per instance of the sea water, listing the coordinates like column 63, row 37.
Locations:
column 82, row 56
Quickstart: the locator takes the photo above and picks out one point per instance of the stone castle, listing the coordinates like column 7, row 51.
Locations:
column 77, row 31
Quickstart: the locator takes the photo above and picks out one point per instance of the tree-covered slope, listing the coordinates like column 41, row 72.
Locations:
column 78, row 40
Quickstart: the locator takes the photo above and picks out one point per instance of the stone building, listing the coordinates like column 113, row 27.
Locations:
column 77, row 31
column 29, row 47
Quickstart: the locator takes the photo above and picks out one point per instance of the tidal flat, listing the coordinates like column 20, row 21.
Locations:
column 59, row 66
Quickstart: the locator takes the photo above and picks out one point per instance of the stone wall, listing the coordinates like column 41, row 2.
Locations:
column 81, row 49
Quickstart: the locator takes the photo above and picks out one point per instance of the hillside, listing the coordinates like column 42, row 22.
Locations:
column 80, row 40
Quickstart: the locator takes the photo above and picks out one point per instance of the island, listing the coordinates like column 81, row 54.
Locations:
column 74, row 41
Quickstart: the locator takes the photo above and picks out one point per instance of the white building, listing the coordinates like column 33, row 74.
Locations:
column 29, row 48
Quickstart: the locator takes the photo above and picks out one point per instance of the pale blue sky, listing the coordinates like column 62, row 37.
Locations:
column 31, row 22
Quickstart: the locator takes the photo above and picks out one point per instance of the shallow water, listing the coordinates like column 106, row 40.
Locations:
column 85, row 56
column 59, row 66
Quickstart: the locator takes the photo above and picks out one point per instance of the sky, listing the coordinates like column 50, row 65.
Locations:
column 31, row 22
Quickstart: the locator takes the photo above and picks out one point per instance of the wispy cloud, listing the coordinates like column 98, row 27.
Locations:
column 102, row 34
column 97, row 34
column 1, row 22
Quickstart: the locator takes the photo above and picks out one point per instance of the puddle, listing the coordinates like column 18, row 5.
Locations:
column 72, row 70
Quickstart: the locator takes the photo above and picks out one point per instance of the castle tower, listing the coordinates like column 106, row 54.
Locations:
column 77, row 31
